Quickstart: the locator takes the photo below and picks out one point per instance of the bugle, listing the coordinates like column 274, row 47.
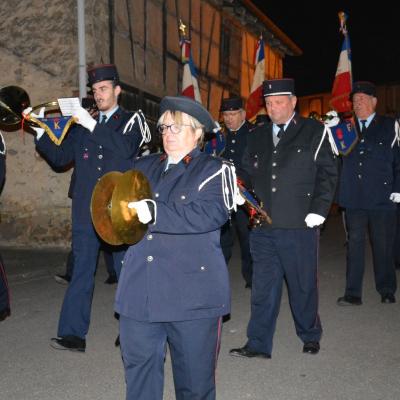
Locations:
column 14, row 100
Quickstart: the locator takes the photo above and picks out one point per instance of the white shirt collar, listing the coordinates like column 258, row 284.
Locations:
column 276, row 127
column 108, row 114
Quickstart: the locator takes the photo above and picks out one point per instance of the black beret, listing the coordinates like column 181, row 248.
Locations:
column 363, row 87
column 277, row 87
column 231, row 104
column 190, row 107
column 103, row 72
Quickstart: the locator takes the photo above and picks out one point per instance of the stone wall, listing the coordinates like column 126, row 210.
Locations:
column 39, row 52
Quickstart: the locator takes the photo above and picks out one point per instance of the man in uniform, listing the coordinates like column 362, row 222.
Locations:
column 369, row 190
column 291, row 167
column 95, row 148
column 236, row 134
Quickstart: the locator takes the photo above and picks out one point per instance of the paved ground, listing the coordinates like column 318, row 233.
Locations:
column 359, row 358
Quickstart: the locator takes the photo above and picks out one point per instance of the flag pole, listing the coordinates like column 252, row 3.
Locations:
column 190, row 84
column 343, row 29
column 342, row 84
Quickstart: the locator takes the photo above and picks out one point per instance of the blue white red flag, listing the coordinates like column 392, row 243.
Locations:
column 255, row 102
column 342, row 84
column 190, row 84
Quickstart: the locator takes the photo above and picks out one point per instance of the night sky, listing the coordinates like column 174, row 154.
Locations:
column 374, row 38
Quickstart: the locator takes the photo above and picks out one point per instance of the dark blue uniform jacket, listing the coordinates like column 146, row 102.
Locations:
column 371, row 172
column 286, row 178
column 93, row 154
column 177, row 271
column 236, row 144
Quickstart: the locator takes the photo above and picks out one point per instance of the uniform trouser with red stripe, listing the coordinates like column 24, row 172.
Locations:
column 280, row 255
column 193, row 345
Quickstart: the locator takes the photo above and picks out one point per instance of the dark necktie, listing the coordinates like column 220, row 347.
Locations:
column 363, row 127
column 103, row 119
column 281, row 130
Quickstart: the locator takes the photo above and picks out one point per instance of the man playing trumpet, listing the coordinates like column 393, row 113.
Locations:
column 95, row 147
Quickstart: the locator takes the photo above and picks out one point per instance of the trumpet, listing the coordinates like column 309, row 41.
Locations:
column 14, row 100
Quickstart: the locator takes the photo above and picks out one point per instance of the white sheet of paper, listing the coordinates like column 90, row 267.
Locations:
column 68, row 105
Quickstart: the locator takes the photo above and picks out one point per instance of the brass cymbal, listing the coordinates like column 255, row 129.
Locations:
column 101, row 206
column 132, row 186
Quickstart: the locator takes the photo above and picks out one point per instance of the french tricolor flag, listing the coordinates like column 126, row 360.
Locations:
column 342, row 84
column 190, row 85
column 255, row 100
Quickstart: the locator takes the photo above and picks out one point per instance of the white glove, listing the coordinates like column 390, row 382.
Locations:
column 39, row 131
column 239, row 199
column 142, row 209
column 313, row 220
column 83, row 118
column 28, row 111
column 333, row 119
column 395, row 197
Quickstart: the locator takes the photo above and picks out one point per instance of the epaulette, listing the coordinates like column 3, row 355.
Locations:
column 222, row 160
column 227, row 162
column 142, row 126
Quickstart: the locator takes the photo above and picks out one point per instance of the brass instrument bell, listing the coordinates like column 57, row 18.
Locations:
column 13, row 100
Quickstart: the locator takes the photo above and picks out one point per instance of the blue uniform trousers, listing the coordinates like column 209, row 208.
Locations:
column 240, row 223
column 278, row 255
column 75, row 312
column 193, row 345
column 382, row 229
column 108, row 259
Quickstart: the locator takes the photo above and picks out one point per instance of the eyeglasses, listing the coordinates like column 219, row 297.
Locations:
column 175, row 129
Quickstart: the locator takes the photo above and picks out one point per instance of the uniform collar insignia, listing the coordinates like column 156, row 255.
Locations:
column 187, row 159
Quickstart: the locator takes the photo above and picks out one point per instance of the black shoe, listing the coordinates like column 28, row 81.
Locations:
column 388, row 298
column 246, row 352
column 62, row 279
column 117, row 343
column 72, row 343
column 248, row 286
column 4, row 313
column 349, row 301
column 311, row 348
column 111, row 279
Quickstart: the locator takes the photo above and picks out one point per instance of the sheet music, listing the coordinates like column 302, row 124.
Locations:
column 68, row 105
